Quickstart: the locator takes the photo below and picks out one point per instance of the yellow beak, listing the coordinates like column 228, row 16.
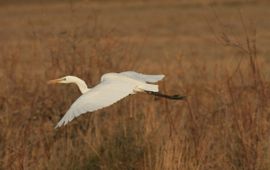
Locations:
column 54, row 81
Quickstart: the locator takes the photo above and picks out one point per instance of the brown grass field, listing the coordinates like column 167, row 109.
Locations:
column 214, row 52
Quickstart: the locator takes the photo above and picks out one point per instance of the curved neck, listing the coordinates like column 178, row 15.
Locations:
column 82, row 85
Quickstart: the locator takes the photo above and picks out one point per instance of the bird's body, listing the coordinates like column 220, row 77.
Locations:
column 112, row 88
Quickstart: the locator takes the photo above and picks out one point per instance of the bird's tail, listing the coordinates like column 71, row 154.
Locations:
column 148, row 87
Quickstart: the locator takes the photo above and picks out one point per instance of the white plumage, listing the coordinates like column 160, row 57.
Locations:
column 112, row 88
column 143, row 77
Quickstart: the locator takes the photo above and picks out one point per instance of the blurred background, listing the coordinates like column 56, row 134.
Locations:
column 214, row 52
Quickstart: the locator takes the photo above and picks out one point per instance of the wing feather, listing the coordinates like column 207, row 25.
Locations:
column 143, row 77
column 104, row 94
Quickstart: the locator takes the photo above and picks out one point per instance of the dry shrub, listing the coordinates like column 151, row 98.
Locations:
column 223, row 124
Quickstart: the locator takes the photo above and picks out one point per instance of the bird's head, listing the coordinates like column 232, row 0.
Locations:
column 71, row 79
column 66, row 79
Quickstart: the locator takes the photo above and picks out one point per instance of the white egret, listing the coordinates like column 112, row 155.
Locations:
column 112, row 88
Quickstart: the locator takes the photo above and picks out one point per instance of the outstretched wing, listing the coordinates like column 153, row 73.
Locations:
column 104, row 94
column 143, row 77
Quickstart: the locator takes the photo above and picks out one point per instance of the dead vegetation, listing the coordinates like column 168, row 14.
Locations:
column 224, row 123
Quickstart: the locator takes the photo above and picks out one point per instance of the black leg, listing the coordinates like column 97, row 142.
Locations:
column 173, row 97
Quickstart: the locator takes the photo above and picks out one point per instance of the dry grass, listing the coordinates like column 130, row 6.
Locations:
column 224, row 123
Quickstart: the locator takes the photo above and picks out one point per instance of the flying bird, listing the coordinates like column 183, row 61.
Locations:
column 112, row 88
